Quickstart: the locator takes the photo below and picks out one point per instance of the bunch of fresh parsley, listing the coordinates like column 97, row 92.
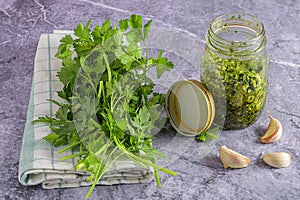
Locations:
column 108, row 106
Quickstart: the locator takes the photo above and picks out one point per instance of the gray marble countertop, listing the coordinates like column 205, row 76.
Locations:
column 22, row 22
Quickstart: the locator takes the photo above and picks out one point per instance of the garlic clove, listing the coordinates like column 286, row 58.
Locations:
column 273, row 132
column 233, row 159
column 277, row 160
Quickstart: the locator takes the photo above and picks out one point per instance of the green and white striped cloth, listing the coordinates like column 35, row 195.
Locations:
column 39, row 162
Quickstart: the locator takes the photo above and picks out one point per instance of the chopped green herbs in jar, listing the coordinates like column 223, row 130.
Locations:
column 234, row 68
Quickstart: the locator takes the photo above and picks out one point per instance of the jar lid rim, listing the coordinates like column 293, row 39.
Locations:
column 205, row 106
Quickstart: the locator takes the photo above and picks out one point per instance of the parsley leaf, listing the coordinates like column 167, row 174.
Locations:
column 162, row 64
column 147, row 29
column 207, row 135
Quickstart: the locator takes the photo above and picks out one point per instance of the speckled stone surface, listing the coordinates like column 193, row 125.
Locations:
column 22, row 21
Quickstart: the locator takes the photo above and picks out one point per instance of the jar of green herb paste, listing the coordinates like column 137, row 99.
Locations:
column 234, row 67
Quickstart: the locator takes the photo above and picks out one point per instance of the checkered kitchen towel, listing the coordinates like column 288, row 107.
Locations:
column 39, row 162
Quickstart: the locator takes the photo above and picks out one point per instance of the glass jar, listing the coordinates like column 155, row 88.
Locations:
column 234, row 67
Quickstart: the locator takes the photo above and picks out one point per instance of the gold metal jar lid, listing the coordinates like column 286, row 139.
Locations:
column 190, row 107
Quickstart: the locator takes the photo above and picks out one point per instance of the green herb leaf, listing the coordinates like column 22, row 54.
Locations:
column 207, row 135
column 123, row 24
column 51, row 138
column 147, row 29
column 135, row 22
column 162, row 64
column 83, row 32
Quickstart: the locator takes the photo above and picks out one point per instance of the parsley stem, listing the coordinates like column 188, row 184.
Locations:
column 99, row 89
column 141, row 160
column 103, row 167
column 146, row 64
column 73, row 156
column 155, row 170
column 103, row 91
column 116, row 102
column 89, row 81
column 100, row 172
column 69, row 147
column 107, row 67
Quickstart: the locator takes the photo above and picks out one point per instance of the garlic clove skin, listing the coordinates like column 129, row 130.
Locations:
column 273, row 132
column 277, row 159
column 233, row 159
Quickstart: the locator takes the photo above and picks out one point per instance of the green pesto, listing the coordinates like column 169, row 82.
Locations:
column 238, row 85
